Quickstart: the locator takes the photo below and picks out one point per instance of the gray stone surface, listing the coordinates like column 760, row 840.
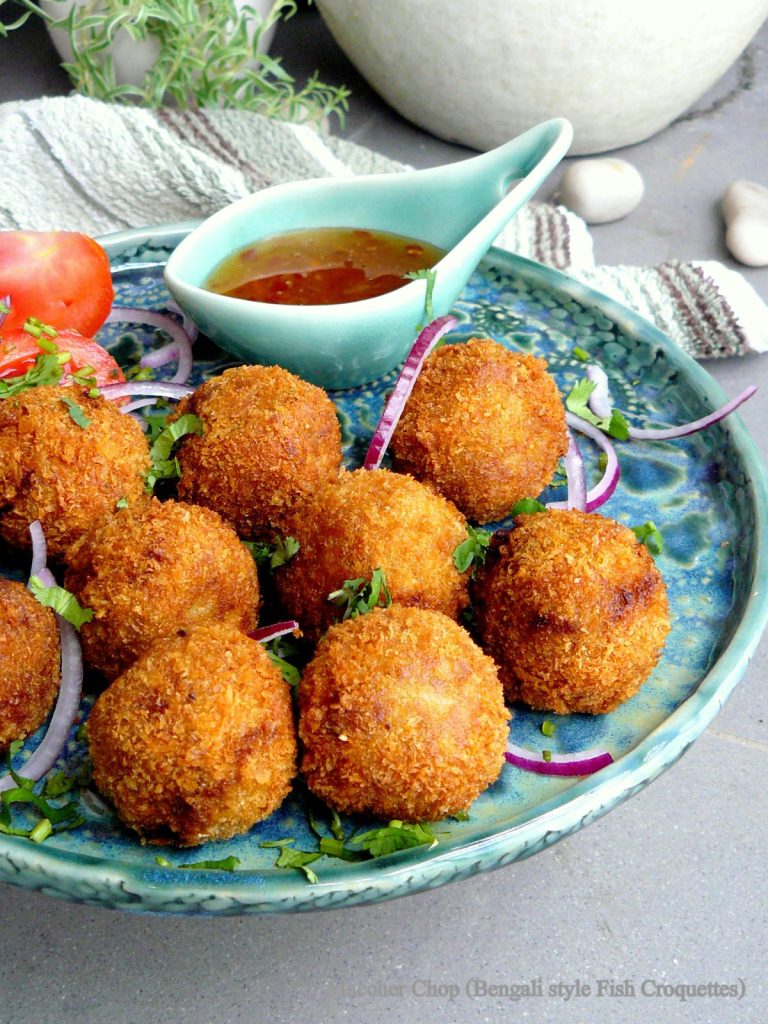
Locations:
column 667, row 889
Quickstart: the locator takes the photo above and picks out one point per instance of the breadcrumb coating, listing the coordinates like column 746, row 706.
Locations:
column 151, row 571
column 401, row 716
column 574, row 611
column 484, row 425
column 270, row 441
column 373, row 519
column 29, row 662
column 65, row 475
column 196, row 741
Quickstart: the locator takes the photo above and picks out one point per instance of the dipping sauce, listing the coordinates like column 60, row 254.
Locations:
column 321, row 266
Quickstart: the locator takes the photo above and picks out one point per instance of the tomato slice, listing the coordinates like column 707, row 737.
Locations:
column 19, row 350
column 60, row 277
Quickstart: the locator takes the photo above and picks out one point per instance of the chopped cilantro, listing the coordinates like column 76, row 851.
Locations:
column 275, row 554
column 77, row 414
column 52, row 818
column 547, row 755
column 580, row 353
column 298, row 859
column 430, row 276
column 577, row 402
column 548, row 728
column 361, row 595
column 46, row 369
column 38, row 329
column 86, row 378
column 602, row 461
column 473, row 550
column 123, row 503
column 63, row 603
column 138, row 372
column 5, row 309
column 58, row 785
column 333, row 847
column 225, row 864
column 278, row 651
column 527, row 507
column 165, row 466
column 649, row 535
column 397, row 835
column 460, row 816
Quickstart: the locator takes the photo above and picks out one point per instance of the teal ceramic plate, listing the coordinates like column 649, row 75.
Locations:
column 707, row 493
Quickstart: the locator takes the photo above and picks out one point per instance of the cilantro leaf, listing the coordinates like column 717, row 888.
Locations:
column 61, row 601
column 473, row 550
column 649, row 535
column 164, row 465
column 360, row 595
column 273, row 554
column 527, row 507
column 278, row 651
column 397, row 835
column 430, row 276
column 77, row 414
column 46, row 369
column 577, row 402
column 299, row 859
column 580, row 353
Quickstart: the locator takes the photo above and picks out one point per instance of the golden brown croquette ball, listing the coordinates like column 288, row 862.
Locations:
column 401, row 716
column 29, row 662
column 196, row 741
column 485, row 426
column 269, row 441
column 154, row 570
column 63, row 473
column 373, row 519
column 573, row 610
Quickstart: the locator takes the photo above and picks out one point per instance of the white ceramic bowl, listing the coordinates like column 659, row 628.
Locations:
column 479, row 71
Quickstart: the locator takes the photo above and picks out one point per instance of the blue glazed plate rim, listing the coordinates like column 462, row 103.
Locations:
column 535, row 829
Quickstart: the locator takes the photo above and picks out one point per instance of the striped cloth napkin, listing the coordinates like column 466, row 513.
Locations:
column 78, row 164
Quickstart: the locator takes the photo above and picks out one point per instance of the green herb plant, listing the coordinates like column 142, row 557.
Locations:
column 208, row 56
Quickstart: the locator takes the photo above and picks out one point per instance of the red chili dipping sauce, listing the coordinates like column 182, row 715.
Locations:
column 321, row 266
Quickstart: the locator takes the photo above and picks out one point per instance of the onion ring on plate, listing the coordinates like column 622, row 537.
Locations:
column 584, row 763
column 180, row 347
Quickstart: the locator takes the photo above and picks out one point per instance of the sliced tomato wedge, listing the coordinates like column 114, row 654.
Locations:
column 60, row 277
column 19, row 350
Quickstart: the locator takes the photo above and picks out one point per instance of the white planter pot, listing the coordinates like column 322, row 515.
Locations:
column 481, row 71
column 132, row 59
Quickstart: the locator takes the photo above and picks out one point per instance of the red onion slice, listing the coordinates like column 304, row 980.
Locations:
column 140, row 403
column 607, row 484
column 181, row 346
column 583, row 763
column 5, row 301
column 70, row 690
column 393, row 410
column 39, row 549
column 266, row 633
column 600, row 400
column 153, row 388
column 684, row 429
column 574, row 471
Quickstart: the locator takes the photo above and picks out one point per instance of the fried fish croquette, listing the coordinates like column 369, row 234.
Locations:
column 373, row 519
column 402, row 716
column 151, row 571
column 66, row 458
column 196, row 741
column 269, row 441
column 29, row 662
column 573, row 610
column 484, row 425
